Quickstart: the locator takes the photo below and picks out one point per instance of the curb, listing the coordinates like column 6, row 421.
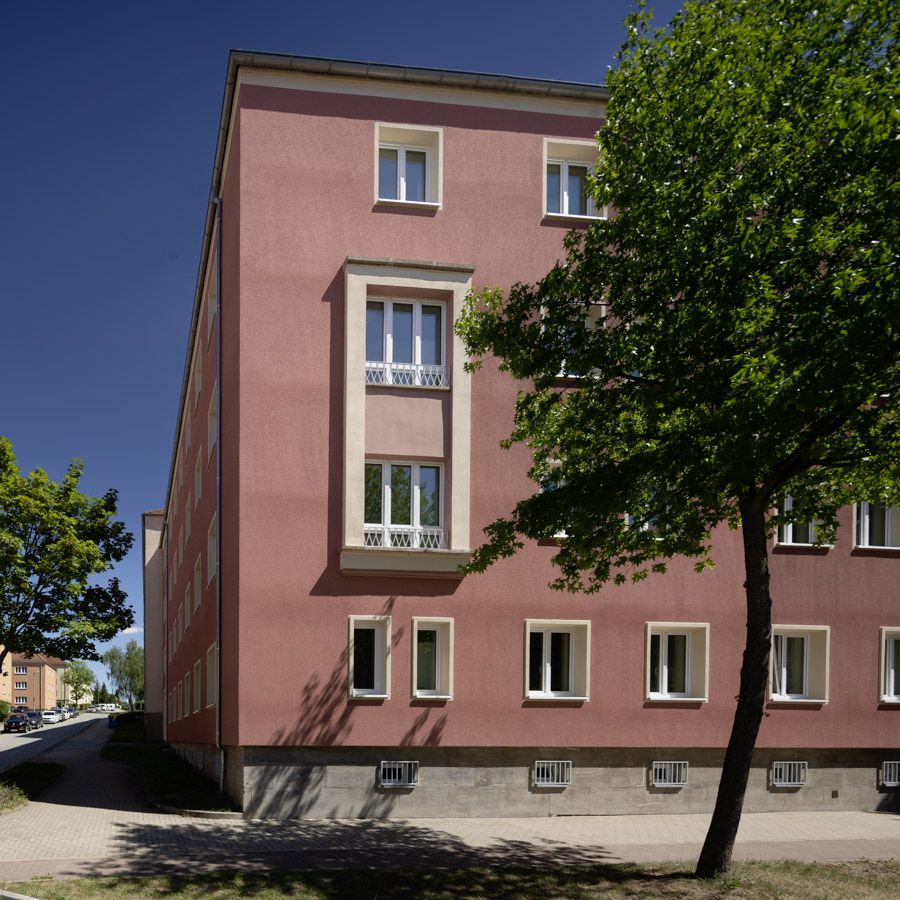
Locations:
column 9, row 895
column 222, row 815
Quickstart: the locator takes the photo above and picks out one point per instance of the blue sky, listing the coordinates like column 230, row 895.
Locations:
column 109, row 111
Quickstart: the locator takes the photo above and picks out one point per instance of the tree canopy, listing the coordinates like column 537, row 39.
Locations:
column 54, row 542
column 126, row 670
column 730, row 335
column 78, row 676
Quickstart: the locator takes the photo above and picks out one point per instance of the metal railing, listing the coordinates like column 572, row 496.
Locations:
column 398, row 773
column 403, row 537
column 789, row 774
column 552, row 772
column 890, row 774
column 668, row 773
column 394, row 374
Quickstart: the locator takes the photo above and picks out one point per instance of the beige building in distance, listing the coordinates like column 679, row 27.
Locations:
column 34, row 680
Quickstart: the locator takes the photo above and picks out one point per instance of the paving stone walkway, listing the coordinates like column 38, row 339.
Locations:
column 93, row 822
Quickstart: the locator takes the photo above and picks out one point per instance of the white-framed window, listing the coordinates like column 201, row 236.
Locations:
column 677, row 655
column 187, row 693
column 408, row 165
column 21, row 670
column 799, row 663
column 890, row 773
column 403, row 505
column 187, row 437
column 877, row 525
column 197, row 686
column 556, row 773
column 20, row 700
column 557, row 659
column 791, row 773
column 405, row 344
column 198, row 379
column 21, row 685
column 398, row 773
column 187, row 607
column 180, row 622
column 567, row 167
column 198, row 476
column 180, row 545
column 668, row 773
column 890, row 665
column 198, row 587
column 212, row 539
column 370, row 656
column 187, row 518
column 802, row 533
column 432, row 662
column 211, row 423
column 180, row 710
column 212, row 675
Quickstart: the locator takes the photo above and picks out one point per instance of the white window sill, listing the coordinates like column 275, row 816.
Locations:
column 875, row 547
column 894, row 701
column 672, row 698
column 791, row 700
column 418, row 696
column 804, row 546
column 408, row 204
column 356, row 695
column 411, row 387
column 555, row 698
column 567, row 217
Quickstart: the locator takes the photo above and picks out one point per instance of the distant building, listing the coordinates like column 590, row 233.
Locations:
column 309, row 640
column 5, row 680
column 36, row 680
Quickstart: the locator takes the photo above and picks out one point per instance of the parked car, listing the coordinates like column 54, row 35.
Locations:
column 73, row 711
column 16, row 721
column 36, row 719
column 20, row 709
column 51, row 716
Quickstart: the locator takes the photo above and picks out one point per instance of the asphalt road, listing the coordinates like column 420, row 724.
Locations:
column 19, row 747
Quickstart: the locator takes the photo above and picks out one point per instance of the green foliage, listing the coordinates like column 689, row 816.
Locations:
column 79, row 676
column 4, row 710
column 54, row 541
column 126, row 670
column 750, row 346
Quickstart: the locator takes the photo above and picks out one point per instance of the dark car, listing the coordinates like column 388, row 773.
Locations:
column 16, row 722
column 36, row 718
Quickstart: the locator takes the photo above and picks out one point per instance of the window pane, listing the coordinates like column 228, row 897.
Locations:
column 403, row 333
column 387, row 174
column 654, row 663
column 415, row 175
column 560, row 644
column 373, row 494
column 374, row 331
column 431, row 336
column 553, row 188
column 877, row 531
column 536, row 661
column 676, row 664
column 577, row 188
column 795, row 665
column 429, row 496
column 426, row 660
column 894, row 670
column 364, row 658
column 802, row 533
column 401, row 495
column 778, row 664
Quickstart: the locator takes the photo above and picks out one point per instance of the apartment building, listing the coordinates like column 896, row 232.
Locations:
column 5, row 680
column 315, row 648
column 36, row 680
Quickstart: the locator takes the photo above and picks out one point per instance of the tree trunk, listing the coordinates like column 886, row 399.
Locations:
column 715, row 858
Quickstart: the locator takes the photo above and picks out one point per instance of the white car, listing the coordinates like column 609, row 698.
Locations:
column 51, row 716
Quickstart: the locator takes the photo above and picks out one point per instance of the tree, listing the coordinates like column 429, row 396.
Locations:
column 748, row 347
column 126, row 670
column 53, row 542
column 79, row 677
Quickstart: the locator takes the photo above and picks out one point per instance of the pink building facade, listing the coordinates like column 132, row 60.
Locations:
column 317, row 651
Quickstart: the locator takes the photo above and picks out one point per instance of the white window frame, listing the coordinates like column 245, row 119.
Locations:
column 564, row 191
column 401, row 151
column 21, row 686
column 415, row 374
column 198, row 585
column 198, row 476
column 696, row 661
column 398, row 773
column 889, row 665
column 212, row 675
column 565, row 153
column 212, row 418
column 862, row 527
column 187, row 518
column 187, row 607
column 198, row 379
column 789, row 773
column 187, row 693
column 20, row 700
column 443, row 629
column 417, row 138
column 381, row 625
column 20, row 670
column 890, row 774
column 579, row 632
column 212, row 540
column 668, row 773
column 784, row 536
column 551, row 773
column 386, row 535
column 816, row 644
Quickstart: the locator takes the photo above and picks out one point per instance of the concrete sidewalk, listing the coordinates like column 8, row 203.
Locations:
column 93, row 822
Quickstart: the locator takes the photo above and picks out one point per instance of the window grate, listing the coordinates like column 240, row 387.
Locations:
column 406, row 374
column 395, row 773
column 403, row 537
column 890, row 774
column 669, row 773
column 789, row 774
column 552, row 772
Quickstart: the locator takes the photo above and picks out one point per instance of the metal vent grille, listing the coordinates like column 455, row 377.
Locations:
column 890, row 774
column 789, row 774
column 552, row 772
column 398, row 773
column 669, row 773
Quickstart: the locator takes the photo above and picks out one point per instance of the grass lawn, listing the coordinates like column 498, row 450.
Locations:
column 860, row 880
column 168, row 779
column 25, row 781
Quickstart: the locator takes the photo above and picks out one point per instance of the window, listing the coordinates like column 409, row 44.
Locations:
column 21, row 670
column 180, row 622
column 890, row 774
column 212, row 676
column 567, row 166
column 556, row 660
column 187, row 694
column 877, row 525
column 197, row 585
column 20, row 700
column 789, row 774
column 180, row 545
column 21, row 685
column 796, row 532
column 187, row 438
column 187, row 519
column 370, row 656
column 890, row 665
column 403, row 506
column 398, row 773
column 668, row 773
column 212, row 538
column 432, row 668
column 198, row 476
column 179, row 713
column 198, row 381
column 799, row 663
column 211, row 423
column 551, row 773
column 408, row 165
column 677, row 656
column 197, row 686
column 405, row 343
column 187, row 607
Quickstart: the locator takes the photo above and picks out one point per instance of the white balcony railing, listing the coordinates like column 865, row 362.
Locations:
column 406, row 375
column 403, row 537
